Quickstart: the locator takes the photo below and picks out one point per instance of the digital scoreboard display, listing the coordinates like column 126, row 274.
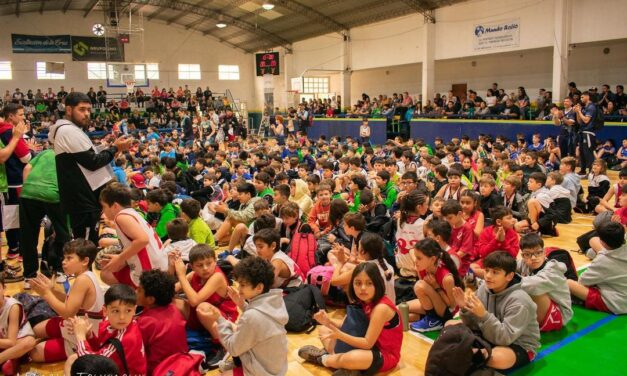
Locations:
column 267, row 63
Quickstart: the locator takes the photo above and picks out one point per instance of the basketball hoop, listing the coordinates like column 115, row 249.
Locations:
column 130, row 85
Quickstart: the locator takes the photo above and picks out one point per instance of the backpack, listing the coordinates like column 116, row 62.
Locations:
column 452, row 353
column 301, row 303
column 179, row 364
column 599, row 119
column 303, row 249
column 563, row 256
column 36, row 309
column 320, row 277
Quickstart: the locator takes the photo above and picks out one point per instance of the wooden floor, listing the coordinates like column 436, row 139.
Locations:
column 415, row 348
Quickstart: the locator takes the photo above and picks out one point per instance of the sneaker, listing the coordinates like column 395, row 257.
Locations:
column 427, row 324
column 12, row 254
column 591, row 254
column 61, row 278
column 214, row 361
column 312, row 354
column 226, row 365
column 27, row 284
column 11, row 276
column 224, row 255
column 236, row 252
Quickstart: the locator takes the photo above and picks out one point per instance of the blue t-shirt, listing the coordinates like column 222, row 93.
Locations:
column 120, row 175
column 589, row 110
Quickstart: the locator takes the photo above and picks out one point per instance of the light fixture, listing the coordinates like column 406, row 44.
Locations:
column 220, row 25
column 98, row 29
column 267, row 5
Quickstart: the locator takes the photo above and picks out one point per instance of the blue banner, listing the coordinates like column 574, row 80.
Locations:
column 41, row 44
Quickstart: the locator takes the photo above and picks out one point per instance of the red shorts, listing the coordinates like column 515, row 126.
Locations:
column 124, row 277
column 553, row 319
column 594, row 300
column 238, row 371
column 54, row 348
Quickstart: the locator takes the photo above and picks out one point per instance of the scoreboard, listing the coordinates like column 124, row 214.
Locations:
column 267, row 63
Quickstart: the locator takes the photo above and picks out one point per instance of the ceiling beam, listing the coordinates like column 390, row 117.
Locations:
column 17, row 8
column 176, row 17
column 224, row 41
column 41, row 6
column 137, row 8
column 419, row 6
column 195, row 23
column 157, row 12
column 311, row 14
column 66, row 5
column 90, row 7
column 271, row 38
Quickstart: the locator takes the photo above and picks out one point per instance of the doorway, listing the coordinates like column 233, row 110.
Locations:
column 459, row 90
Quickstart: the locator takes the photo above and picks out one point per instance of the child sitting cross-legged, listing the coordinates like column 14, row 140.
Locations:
column 84, row 298
column 545, row 282
column 502, row 313
column 380, row 349
column 603, row 286
column 501, row 236
column 118, row 330
column 161, row 324
column 16, row 335
column 286, row 271
column 434, row 291
column 259, row 339
column 205, row 283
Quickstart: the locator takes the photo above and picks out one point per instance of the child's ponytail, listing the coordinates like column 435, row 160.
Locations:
column 431, row 248
column 372, row 245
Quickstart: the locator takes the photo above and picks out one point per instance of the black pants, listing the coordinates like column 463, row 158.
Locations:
column 31, row 214
column 587, row 143
column 567, row 144
column 12, row 197
column 85, row 226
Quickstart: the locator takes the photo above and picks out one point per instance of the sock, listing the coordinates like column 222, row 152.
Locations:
column 323, row 359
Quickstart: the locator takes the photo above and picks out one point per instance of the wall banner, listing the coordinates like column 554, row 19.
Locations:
column 494, row 35
column 41, row 44
column 97, row 49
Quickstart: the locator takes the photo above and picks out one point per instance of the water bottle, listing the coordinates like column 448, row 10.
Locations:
column 404, row 309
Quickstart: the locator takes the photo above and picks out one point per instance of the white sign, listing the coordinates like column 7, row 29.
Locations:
column 496, row 35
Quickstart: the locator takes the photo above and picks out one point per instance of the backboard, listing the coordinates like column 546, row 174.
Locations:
column 118, row 73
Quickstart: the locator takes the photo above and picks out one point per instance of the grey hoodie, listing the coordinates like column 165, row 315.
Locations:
column 572, row 182
column 510, row 317
column 608, row 273
column 260, row 339
column 549, row 280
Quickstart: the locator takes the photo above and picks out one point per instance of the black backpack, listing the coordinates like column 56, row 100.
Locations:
column 452, row 353
column 599, row 119
column 301, row 304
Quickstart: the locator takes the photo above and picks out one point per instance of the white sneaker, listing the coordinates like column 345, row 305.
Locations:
column 61, row 278
column 27, row 284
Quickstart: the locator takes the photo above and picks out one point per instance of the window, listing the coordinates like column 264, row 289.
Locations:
column 228, row 72
column 316, row 85
column 189, row 71
column 152, row 71
column 96, row 71
column 5, row 70
column 41, row 71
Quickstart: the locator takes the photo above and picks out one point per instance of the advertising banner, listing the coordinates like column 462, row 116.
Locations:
column 97, row 49
column 496, row 35
column 41, row 44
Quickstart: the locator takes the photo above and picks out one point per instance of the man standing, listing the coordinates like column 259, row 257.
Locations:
column 13, row 155
column 567, row 120
column 586, row 113
column 80, row 167
column 188, row 129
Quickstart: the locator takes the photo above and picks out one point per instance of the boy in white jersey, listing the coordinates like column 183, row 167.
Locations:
column 85, row 297
column 16, row 334
column 141, row 246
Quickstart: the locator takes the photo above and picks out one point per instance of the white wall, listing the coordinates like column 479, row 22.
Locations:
column 589, row 66
column 388, row 80
column 166, row 45
column 323, row 52
column 455, row 25
column 598, row 20
column 392, row 42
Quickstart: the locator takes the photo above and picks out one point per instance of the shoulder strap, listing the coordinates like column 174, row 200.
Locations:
column 120, row 349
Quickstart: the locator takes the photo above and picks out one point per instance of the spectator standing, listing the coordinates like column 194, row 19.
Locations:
column 567, row 120
column 80, row 167
column 586, row 113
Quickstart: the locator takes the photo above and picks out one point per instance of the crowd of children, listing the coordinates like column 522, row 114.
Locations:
column 213, row 236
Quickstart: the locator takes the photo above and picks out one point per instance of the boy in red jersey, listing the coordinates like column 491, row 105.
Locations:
column 501, row 236
column 462, row 235
column 118, row 330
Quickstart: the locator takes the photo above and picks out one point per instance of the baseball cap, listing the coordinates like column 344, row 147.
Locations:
column 139, row 181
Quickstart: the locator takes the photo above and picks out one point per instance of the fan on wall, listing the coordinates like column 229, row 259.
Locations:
column 98, row 30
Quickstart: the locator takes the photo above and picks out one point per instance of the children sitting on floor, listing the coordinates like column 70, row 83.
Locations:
column 501, row 236
column 545, row 282
column 178, row 239
column 502, row 312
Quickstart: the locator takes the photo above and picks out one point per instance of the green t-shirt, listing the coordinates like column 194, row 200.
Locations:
column 168, row 213
column 41, row 184
column 200, row 232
